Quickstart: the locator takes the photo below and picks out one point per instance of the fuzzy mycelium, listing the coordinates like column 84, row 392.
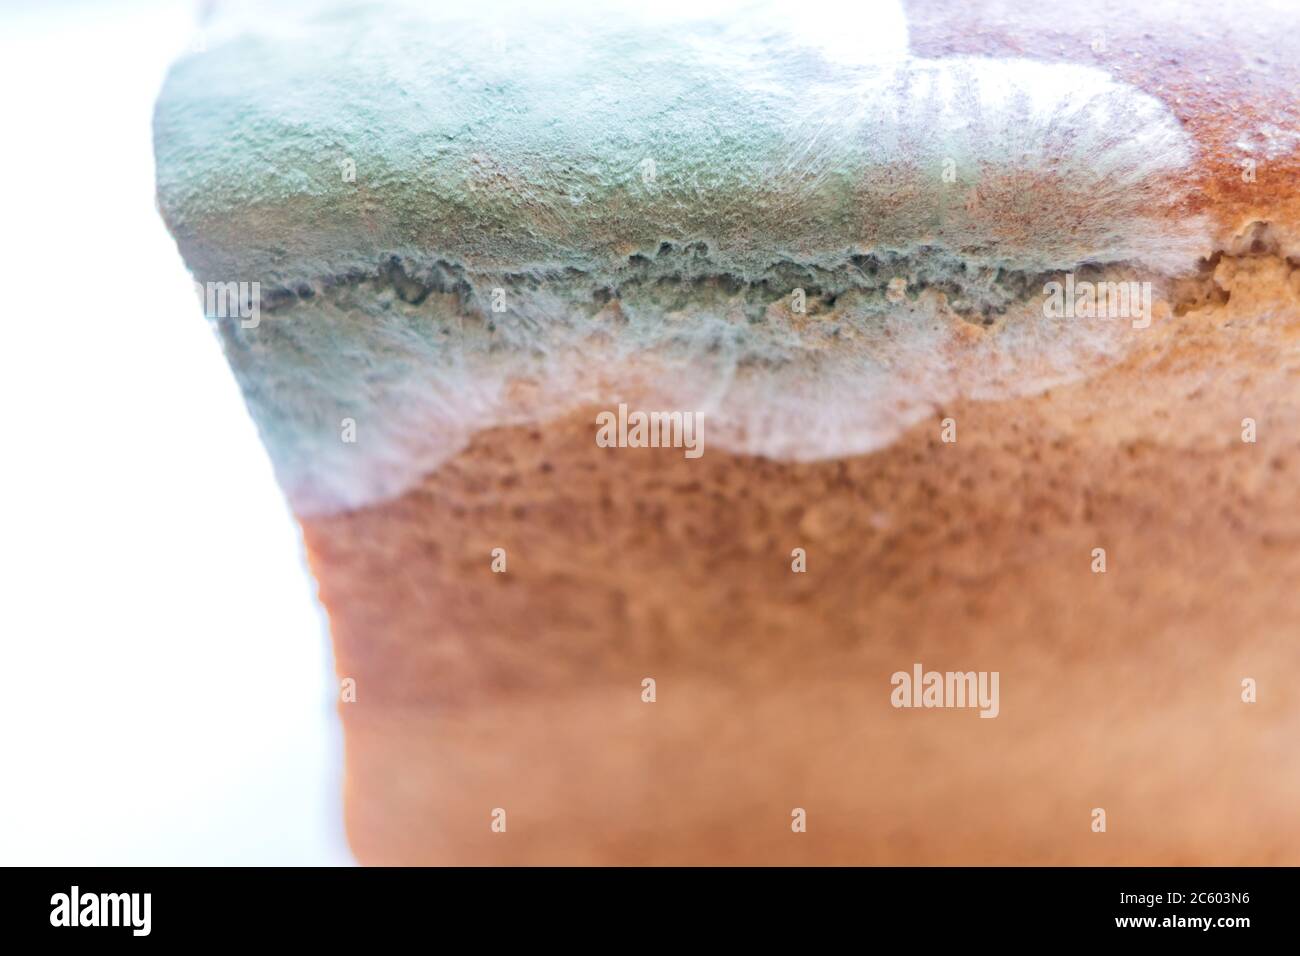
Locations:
column 461, row 220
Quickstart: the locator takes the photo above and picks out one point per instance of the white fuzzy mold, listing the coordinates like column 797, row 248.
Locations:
column 459, row 221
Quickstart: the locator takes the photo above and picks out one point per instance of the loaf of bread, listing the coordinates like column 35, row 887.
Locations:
column 966, row 339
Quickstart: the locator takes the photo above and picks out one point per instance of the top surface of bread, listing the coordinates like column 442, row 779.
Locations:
column 321, row 143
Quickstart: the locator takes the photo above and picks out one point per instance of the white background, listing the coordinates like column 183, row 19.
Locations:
column 166, row 693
